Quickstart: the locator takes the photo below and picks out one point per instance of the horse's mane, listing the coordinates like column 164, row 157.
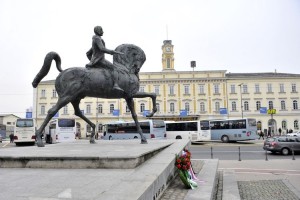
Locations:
column 133, row 57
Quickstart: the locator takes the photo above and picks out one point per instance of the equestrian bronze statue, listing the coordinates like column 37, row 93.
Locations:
column 76, row 83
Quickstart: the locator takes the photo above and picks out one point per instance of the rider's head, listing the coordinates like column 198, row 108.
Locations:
column 98, row 30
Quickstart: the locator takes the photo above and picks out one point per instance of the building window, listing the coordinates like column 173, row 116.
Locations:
column 156, row 89
column 216, row 89
column 54, row 94
column 281, row 87
column 88, row 109
column 283, row 125
column 258, row 105
column 232, row 89
column 201, row 89
column 294, row 89
column 65, row 110
column 100, row 108
column 269, row 87
column 186, row 89
column 246, row 105
column 217, row 106
column 158, row 107
column 142, row 88
column 142, row 107
column 257, row 89
column 172, row 107
column 168, row 63
column 271, row 105
column 245, row 88
column 233, row 106
column 202, row 107
column 43, row 110
column 296, row 125
column 295, row 105
column 111, row 108
column 43, row 93
column 187, row 107
column 282, row 105
column 171, row 89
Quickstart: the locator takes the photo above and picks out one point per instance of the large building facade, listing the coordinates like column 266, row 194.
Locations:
column 272, row 98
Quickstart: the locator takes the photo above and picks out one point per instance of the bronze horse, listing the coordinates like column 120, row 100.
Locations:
column 76, row 83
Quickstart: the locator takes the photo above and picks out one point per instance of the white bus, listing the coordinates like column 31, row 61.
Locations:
column 61, row 130
column 233, row 130
column 24, row 131
column 193, row 130
column 154, row 129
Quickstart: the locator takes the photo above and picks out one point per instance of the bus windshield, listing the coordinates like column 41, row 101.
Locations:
column 24, row 123
column 66, row 123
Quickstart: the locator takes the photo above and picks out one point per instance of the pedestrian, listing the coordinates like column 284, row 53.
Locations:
column 261, row 134
column 11, row 137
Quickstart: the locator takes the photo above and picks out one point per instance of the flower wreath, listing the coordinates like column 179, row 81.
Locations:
column 185, row 169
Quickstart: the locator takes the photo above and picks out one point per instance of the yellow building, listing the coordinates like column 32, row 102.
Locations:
column 186, row 95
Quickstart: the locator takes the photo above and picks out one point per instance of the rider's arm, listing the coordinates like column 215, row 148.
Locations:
column 102, row 48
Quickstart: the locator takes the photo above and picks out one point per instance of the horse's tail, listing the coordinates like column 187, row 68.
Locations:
column 46, row 67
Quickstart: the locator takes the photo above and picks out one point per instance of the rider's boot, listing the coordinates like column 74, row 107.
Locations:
column 116, row 78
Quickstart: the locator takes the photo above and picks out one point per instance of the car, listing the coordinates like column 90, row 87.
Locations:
column 297, row 134
column 282, row 144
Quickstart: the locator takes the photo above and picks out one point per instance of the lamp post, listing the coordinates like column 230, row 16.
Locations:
column 241, row 98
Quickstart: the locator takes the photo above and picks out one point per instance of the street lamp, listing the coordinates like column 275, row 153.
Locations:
column 241, row 98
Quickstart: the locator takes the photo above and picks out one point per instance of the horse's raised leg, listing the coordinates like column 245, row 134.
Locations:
column 79, row 114
column 51, row 112
column 152, row 96
column 130, row 104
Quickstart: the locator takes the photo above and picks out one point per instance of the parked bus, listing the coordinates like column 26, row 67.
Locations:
column 24, row 131
column 2, row 132
column 61, row 130
column 193, row 130
column 154, row 129
column 233, row 129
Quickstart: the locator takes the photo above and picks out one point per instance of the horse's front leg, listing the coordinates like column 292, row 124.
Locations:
column 130, row 104
column 152, row 96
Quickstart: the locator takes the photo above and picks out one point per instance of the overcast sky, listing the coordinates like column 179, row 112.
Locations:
column 232, row 35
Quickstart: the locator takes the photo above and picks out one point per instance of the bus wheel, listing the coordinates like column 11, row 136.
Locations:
column 110, row 137
column 178, row 137
column 135, row 137
column 225, row 139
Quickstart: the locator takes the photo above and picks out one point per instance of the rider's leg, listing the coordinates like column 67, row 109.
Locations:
column 115, row 76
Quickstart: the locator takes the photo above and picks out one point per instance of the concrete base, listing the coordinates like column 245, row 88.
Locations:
column 147, row 180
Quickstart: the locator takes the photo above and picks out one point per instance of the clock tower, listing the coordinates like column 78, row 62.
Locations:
column 167, row 56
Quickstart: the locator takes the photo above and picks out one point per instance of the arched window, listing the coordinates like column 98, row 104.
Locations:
column 233, row 106
column 217, row 106
column 158, row 107
column 111, row 108
column 88, row 109
column 258, row 105
column 142, row 107
column 187, row 106
column 100, row 108
column 202, row 107
column 172, row 107
column 296, row 125
column 246, row 105
column 271, row 106
column 283, row 125
column 282, row 105
column 295, row 105
column 127, row 109
column 43, row 110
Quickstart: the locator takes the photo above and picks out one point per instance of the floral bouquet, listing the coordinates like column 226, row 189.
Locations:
column 186, row 172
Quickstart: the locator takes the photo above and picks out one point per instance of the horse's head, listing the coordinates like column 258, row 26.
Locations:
column 133, row 57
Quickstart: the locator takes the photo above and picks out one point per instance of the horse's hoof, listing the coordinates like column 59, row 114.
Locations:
column 40, row 144
column 144, row 142
column 92, row 142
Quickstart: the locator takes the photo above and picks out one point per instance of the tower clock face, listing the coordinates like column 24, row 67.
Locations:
column 168, row 49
